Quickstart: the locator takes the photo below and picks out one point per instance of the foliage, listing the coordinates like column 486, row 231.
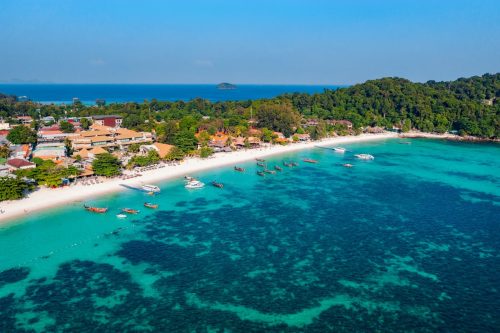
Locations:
column 150, row 158
column 206, row 152
column 48, row 173
column 186, row 141
column 85, row 123
column 278, row 117
column 106, row 165
column 4, row 151
column 22, row 134
column 66, row 127
column 13, row 188
column 176, row 154
column 134, row 148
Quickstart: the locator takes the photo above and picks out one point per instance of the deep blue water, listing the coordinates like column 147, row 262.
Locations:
column 88, row 93
column 409, row 242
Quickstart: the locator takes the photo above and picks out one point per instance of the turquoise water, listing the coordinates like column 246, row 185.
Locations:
column 409, row 242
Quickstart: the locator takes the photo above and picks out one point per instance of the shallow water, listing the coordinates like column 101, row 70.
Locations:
column 407, row 242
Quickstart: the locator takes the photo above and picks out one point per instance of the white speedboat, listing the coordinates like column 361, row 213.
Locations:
column 121, row 216
column 194, row 184
column 151, row 188
column 365, row 156
column 339, row 149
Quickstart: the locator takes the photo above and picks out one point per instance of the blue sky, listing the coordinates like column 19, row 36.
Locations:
column 240, row 41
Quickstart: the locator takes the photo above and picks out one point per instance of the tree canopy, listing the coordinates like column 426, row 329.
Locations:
column 22, row 134
column 106, row 165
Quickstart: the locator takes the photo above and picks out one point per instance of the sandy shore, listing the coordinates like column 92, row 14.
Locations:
column 46, row 198
column 446, row 136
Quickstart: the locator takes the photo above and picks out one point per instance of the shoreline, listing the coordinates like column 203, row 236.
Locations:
column 45, row 198
column 445, row 136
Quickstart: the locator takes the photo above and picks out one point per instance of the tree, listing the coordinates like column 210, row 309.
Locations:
column 22, row 134
column 66, row 127
column 176, row 154
column 406, row 125
column 48, row 173
column 134, row 148
column 85, row 123
column 168, row 132
column 13, row 188
column 186, row 141
column 206, row 152
column 267, row 135
column 4, row 151
column 278, row 117
column 106, row 165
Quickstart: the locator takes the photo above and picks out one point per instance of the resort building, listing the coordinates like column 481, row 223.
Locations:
column 89, row 154
column 25, row 120
column 111, row 120
column 162, row 149
column 19, row 164
column 20, row 151
column 4, row 126
column 124, row 137
column 109, row 137
column 218, row 140
column 303, row 137
column 345, row 123
column 50, row 151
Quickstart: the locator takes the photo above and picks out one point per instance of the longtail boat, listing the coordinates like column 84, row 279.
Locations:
column 287, row 164
column 269, row 171
column 219, row 185
column 276, row 167
column 261, row 173
column 150, row 205
column 239, row 169
column 294, row 164
column 95, row 209
column 260, row 164
column 309, row 160
column 260, row 160
column 347, row 165
column 130, row 211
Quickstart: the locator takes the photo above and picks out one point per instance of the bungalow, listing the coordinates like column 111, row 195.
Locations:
column 19, row 164
column 102, row 141
column 239, row 142
column 311, row 123
column 303, row 137
column 254, row 142
column 48, row 120
column 218, row 140
column 4, row 126
column 345, row 123
column 50, row 135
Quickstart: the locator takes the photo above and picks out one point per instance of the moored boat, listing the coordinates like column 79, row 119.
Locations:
column 261, row 173
column 95, row 209
column 239, row 169
column 347, row 165
column 260, row 164
column 294, row 164
column 276, row 167
column 130, row 211
column 150, row 205
column 151, row 188
column 216, row 184
column 309, row 160
column 121, row 216
column 287, row 164
column 189, row 178
column 269, row 171
column 365, row 156
column 194, row 184
column 339, row 149
column 260, row 160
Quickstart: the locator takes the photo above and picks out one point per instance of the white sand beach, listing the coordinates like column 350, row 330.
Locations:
column 46, row 198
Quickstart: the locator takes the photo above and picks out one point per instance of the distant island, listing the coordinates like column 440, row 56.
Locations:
column 226, row 86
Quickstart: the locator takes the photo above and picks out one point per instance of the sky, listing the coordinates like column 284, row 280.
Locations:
column 242, row 41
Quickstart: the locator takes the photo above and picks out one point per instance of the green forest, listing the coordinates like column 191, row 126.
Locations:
column 470, row 106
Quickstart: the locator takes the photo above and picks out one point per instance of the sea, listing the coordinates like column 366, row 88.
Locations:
column 407, row 242
column 121, row 93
